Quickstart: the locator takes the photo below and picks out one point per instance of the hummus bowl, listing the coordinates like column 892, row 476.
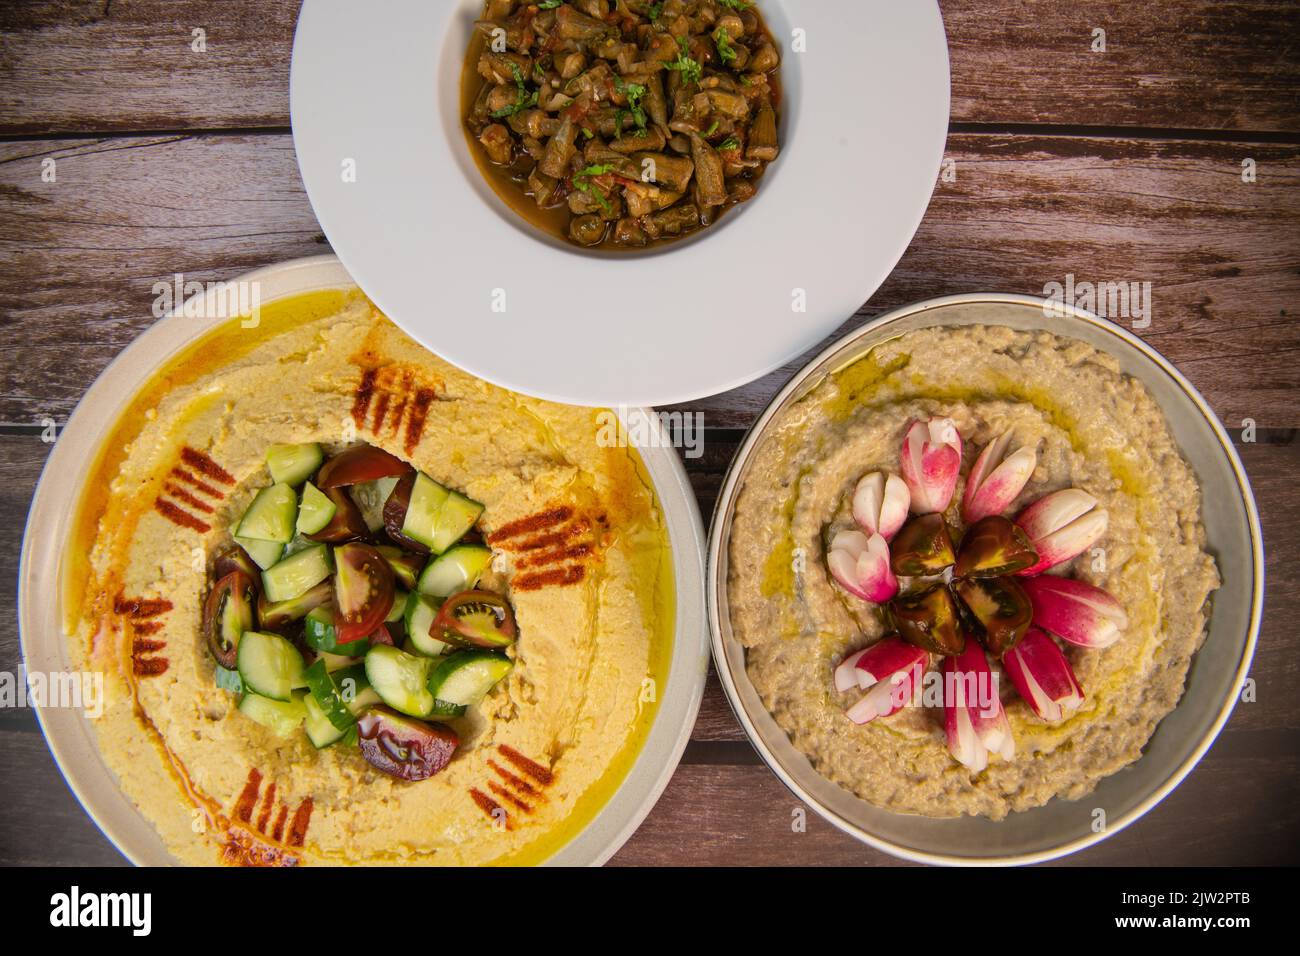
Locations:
column 1183, row 556
column 558, row 764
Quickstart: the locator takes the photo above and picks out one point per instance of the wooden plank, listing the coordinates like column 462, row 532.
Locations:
column 1194, row 64
column 59, row 58
column 1223, row 256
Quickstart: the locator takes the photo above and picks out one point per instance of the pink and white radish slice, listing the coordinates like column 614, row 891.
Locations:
column 1076, row 611
column 860, row 565
column 930, row 463
column 974, row 721
column 1062, row 525
column 1043, row 677
column 880, row 504
column 996, row 478
column 890, row 671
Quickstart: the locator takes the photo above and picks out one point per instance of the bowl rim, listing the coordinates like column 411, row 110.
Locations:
column 343, row 108
column 719, row 534
column 74, row 746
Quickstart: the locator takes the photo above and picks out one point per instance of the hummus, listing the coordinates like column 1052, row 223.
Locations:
column 579, row 546
column 1095, row 429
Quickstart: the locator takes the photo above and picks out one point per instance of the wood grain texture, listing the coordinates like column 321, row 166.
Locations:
column 1116, row 166
column 1195, row 64
column 59, row 57
column 1222, row 256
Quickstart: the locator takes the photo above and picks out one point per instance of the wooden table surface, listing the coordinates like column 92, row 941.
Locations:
column 1128, row 164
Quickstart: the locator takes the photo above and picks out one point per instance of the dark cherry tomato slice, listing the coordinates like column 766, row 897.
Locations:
column 929, row 620
column 235, row 558
column 404, row 748
column 279, row 616
column 1001, row 608
column 399, row 499
column 475, row 619
column 363, row 591
column 923, row 547
column 227, row 614
column 347, row 523
column 406, row 567
column 357, row 464
column 992, row 547
column 387, row 633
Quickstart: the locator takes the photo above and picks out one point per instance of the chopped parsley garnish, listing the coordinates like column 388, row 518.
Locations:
column 713, row 128
column 550, row 4
column 737, row 5
column 653, row 11
column 722, row 40
column 523, row 99
column 690, row 69
column 582, row 182
column 634, row 92
column 729, row 143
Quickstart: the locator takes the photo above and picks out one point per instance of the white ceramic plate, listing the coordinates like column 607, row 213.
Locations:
column 44, row 647
column 865, row 118
column 1059, row 827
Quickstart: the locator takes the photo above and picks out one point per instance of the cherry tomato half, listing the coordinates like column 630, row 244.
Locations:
column 475, row 619
column 404, row 748
column 357, row 464
column 363, row 591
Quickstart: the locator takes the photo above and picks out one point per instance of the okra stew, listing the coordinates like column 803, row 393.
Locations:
column 622, row 123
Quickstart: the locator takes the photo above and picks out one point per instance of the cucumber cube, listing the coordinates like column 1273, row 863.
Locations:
column 296, row 574
column 282, row 718
column 315, row 511
column 293, row 464
column 427, row 497
column 263, row 553
column 271, row 516
column 458, row 515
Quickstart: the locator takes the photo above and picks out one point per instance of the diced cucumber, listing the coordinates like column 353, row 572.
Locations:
column 421, row 609
column 457, row 569
column 320, row 731
column 457, row 516
column 370, row 497
column 271, row 516
column 400, row 679
column 444, row 710
column 229, row 680
column 315, row 510
column 297, row 573
column 354, row 688
column 293, row 464
column 326, row 696
column 405, row 565
column 337, row 662
column 466, row 676
column 398, row 613
column 427, row 498
column 299, row 542
column 281, row 717
column 263, row 553
column 269, row 665
column 318, row 629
